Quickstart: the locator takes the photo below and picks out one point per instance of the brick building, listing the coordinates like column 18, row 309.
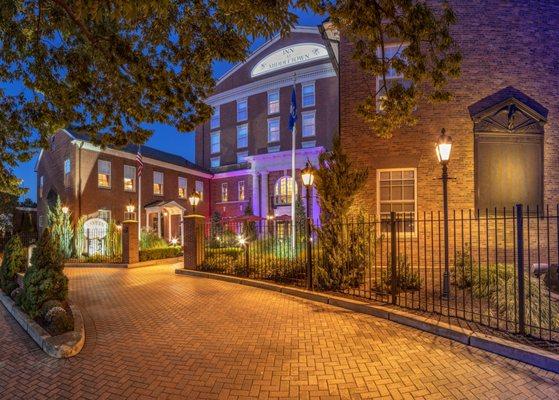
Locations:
column 247, row 143
column 100, row 183
column 503, row 119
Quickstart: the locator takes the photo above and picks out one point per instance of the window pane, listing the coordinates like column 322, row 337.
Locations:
column 308, row 95
column 242, row 136
column 273, row 130
column 397, row 193
column 241, row 156
column 408, row 193
column 182, row 187
column 241, row 190
column 224, row 192
column 308, row 125
column 104, row 173
column 242, row 110
column 200, row 189
column 273, row 102
column 215, row 121
column 157, row 183
column 129, row 178
column 215, row 142
column 214, row 162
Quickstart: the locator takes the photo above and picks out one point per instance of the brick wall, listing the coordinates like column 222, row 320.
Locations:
column 503, row 44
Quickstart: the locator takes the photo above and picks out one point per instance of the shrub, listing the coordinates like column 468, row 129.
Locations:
column 229, row 251
column 44, row 280
column 16, row 295
column 114, row 240
column 14, row 261
column 160, row 253
column 151, row 240
column 47, row 305
column 221, row 264
column 406, row 278
column 58, row 320
column 59, row 222
column 463, row 268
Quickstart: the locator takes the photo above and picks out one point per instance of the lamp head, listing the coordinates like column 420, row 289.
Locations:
column 443, row 147
column 307, row 175
column 194, row 198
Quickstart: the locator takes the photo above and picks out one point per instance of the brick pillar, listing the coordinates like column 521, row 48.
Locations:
column 194, row 241
column 130, row 242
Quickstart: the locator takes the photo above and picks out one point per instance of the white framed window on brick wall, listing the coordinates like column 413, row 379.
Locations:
column 67, row 170
column 183, row 187
column 215, row 162
column 273, row 102
column 308, row 123
column 104, row 174
column 224, row 192
column 158, row 178
column 241, row 190
column 308, row 94
column 397, row 191
column 199, row 186
column 242, row 110
column 242, row 136
column 392, row 76
column 241, row 156
column 273, row 130
column 129, row 179
column 215, row 142
column 215, row 121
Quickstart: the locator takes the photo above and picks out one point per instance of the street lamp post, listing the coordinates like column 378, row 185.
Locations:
column 443, row 149
column 130, row 208
column 307, row 175
column 194, row 199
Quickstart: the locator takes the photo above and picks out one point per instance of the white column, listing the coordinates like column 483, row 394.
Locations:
column 170, row 235
column 255, row 193
column 159, row 223
column 264, row 194
column 182, row 231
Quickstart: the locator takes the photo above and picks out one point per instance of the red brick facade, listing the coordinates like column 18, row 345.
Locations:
column 507, row 48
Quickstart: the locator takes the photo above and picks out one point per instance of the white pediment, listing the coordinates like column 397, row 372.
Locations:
column 289, row 56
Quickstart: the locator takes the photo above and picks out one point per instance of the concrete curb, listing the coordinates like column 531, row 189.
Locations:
column 139, row 264
column 506, row 348
column 62, row 346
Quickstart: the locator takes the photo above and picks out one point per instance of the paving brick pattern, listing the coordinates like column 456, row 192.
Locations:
column 151, row 334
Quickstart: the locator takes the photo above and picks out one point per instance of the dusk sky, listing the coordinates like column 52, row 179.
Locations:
column 165, row 137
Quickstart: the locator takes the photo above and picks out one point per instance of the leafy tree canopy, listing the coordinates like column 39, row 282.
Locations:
column 109, row 67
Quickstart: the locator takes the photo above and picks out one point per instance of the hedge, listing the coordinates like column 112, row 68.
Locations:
column 160, row 253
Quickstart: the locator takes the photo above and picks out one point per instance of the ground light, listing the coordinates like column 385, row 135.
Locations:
column 443, row 150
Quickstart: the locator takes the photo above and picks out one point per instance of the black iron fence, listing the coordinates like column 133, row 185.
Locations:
column 502, row 268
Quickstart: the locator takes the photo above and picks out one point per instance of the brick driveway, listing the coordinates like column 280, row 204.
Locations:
column 151, row 334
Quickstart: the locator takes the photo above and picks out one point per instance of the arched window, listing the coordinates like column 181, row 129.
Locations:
column 283, row 190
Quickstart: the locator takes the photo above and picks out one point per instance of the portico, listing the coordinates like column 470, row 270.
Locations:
column 165, row 217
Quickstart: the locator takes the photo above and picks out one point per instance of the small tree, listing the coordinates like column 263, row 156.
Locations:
column 114, row 240
column 44, row 280
column 337, row 183
column 14, row 261
column 80, row 242
column 59, row 221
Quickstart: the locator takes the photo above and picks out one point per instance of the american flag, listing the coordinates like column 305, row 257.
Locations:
column 139, row 161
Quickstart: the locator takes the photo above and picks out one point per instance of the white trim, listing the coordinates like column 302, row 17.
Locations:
column 265, row 45
column 146, row 160
column 289, row 56
column 281, row 160
column 232, row 174
column 312, row 73
column 414, row 169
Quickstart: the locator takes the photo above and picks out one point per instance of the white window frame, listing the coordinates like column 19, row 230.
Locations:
column 133, row 170
column 215, row 134
column 378, row 201
column 307, row 144
column 224, row 192
column 159, row 173
column 303, row 115
column 199, row 187
column 182, row 183
column 240, row 145
column 396, row 77
column 270, row 120
column 67, row 172
column 240, row 118
column 241, row 156
column 110, row 173
column 241, row 189
column 215, row 162
column 303, row 86
column 215, row 116
column 273, row 92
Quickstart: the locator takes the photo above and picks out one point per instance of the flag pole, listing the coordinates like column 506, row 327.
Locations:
column 293, row 176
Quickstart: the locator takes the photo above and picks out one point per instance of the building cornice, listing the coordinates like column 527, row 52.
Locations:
column 315, row 72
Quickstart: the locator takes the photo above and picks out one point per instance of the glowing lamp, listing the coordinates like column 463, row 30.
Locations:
column 444, row 147
column 307, row 175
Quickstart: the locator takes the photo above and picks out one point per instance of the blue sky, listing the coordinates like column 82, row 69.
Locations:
column 165, row 137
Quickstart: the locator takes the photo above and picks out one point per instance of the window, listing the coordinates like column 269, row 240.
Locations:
column 104, row 174
column 183, row 187
column 308, row 124
column 273, row 102
column 129, row 178
column 309, row 143
column 105, row 215
column 283, row 190
column 273, row 149
column 224, row 192
column 215, row 142
column 273, row 130
column 241, row 156
column 241, row 189
column 67, row 168
column 214, row 162
column 392, row 77
column 158, row 183
column 200, row 189
column 215, row 120
column 308, row 95
column 242, row 110
column 41, row 185
column 396, row 192
column 242, row 136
